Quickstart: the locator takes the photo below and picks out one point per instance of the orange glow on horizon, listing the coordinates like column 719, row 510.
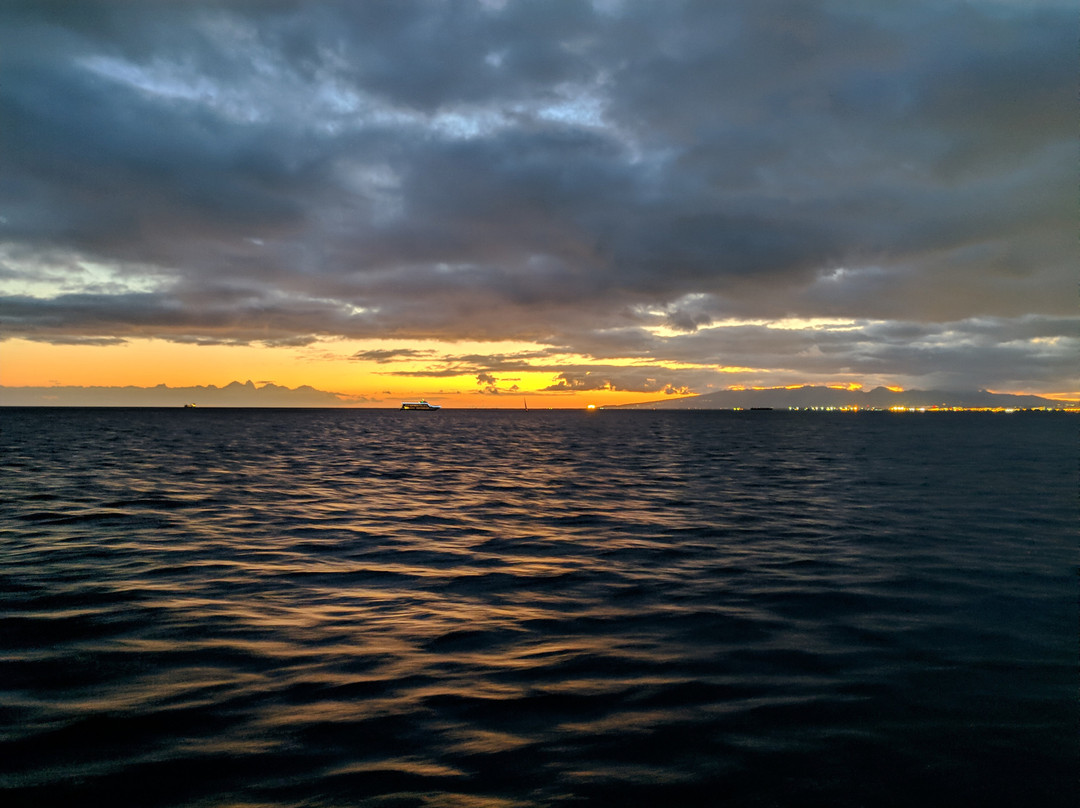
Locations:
column 1074, row 396
column 325, row 366
column 799, row 386
column 417, row 371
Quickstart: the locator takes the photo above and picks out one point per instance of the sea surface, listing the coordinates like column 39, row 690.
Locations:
column 498, row 608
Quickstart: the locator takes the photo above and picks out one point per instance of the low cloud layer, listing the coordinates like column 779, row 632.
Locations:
column 689, row 185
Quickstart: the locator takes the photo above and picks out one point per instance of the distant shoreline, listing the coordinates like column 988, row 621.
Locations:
column 758, row 412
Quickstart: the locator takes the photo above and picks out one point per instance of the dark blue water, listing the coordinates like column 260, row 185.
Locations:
column 338, row 608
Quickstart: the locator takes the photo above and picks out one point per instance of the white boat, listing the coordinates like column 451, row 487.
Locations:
column 419, row 405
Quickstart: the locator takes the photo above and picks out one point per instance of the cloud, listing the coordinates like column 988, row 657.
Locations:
column 607, row 180
column 388, row 355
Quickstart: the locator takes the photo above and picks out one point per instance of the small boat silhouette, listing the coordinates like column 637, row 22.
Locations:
column 419, row 405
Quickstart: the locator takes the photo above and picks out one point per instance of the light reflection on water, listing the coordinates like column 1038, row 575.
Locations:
column 475, row 608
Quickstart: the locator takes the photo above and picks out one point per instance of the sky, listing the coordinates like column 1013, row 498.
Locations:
column 578, row 202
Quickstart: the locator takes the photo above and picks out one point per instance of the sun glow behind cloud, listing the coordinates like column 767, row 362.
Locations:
column 447, row 372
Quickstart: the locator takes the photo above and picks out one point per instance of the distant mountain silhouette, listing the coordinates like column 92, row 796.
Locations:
column 234, row 394
column 878, row 398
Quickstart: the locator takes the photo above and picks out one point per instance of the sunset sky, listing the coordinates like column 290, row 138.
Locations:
column 578, row 202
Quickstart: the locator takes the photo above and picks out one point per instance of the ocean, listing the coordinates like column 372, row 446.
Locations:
column 496, row 609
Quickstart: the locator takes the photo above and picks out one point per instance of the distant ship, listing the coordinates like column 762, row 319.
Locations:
column 189, row 406
column 419, row 405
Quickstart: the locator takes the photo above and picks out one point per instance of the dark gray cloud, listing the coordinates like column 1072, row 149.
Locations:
column 611, row 179
column 387, row 355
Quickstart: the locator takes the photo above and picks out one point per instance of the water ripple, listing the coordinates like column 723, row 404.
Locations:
column 282, row 608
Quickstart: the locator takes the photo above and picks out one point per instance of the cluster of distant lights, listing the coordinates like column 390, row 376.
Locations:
column 592, row 407
column 931, row 409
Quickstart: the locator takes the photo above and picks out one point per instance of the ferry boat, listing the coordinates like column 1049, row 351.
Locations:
column 419, row 405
